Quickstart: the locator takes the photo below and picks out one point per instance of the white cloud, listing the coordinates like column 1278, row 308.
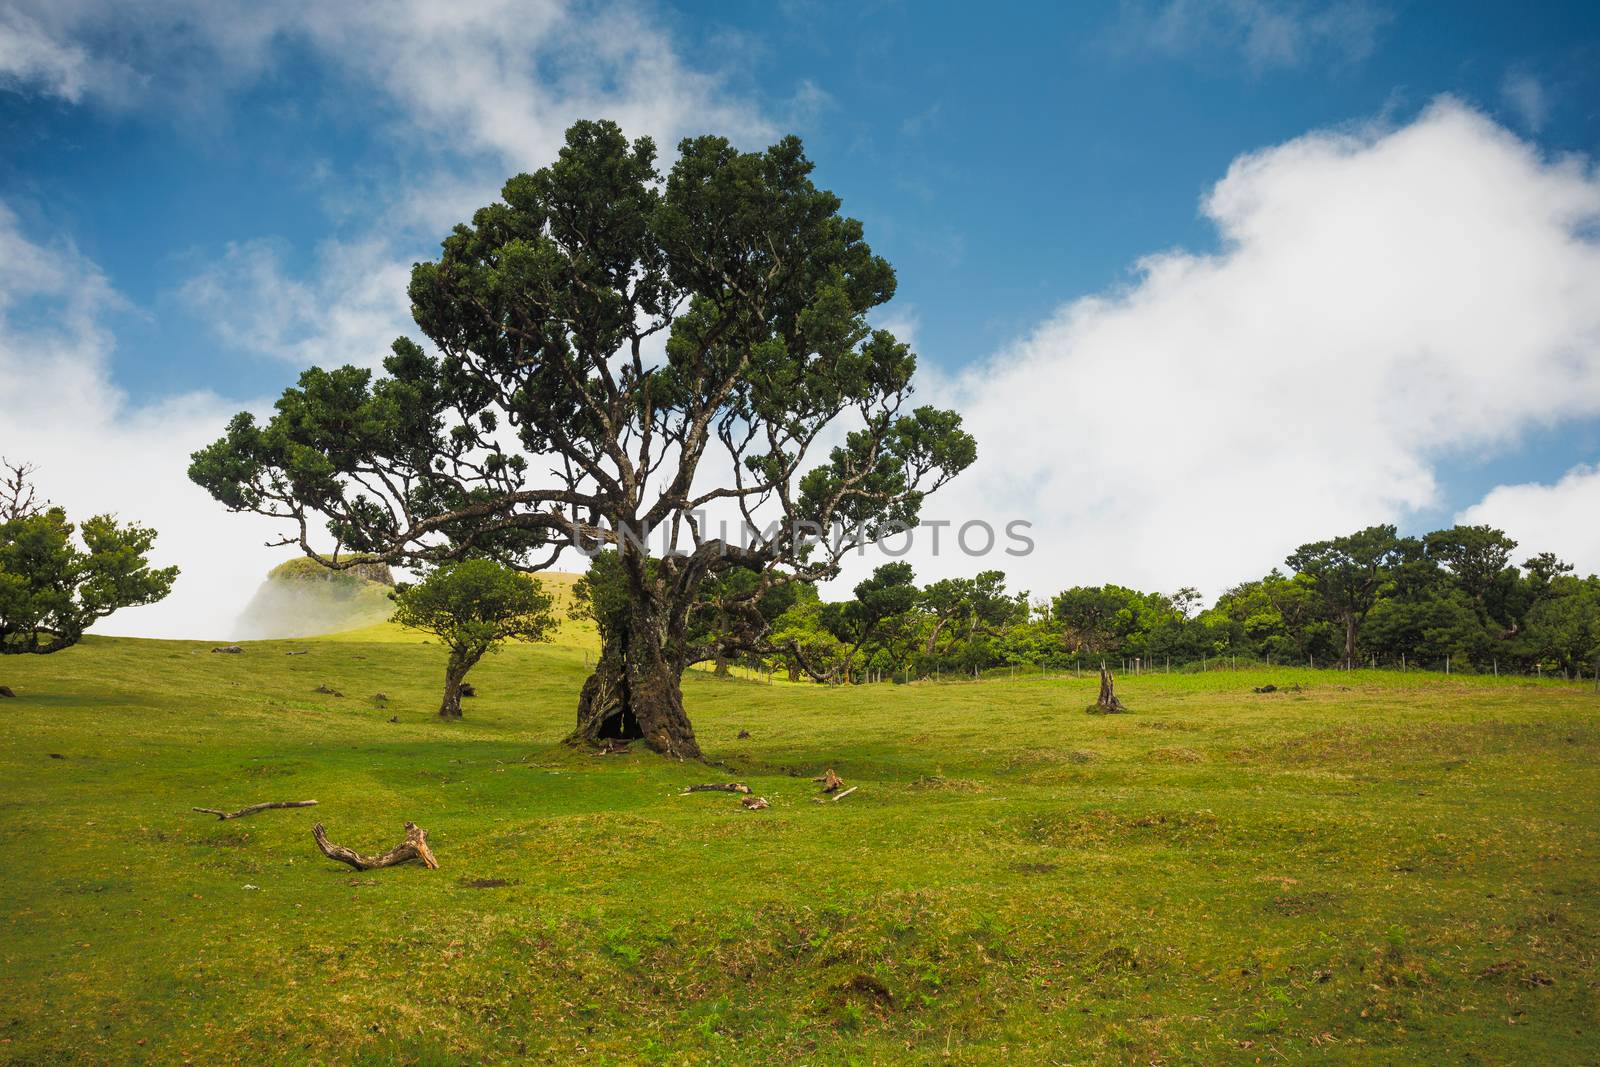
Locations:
column 31, row 58
column 503, row 77
column 1563, row 517
column 1383, row 298
column 97, row 453
column 1266, row 35
column 1524, row 95
column 346, row 310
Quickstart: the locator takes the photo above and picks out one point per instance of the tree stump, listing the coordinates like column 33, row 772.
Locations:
column 414, row 847
column 1107, row 704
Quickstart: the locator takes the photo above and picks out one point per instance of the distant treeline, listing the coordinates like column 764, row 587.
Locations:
column 1371, row 598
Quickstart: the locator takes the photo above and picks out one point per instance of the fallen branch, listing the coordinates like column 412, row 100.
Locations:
column 840, row 796
column 716, row 787
column 253, row 808
column 754, row 803
column 414, row 847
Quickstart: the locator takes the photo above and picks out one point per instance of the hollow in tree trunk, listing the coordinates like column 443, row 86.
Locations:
column 455, row 673
column 635, row 693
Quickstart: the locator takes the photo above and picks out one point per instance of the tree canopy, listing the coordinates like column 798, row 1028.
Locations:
column 54, row 586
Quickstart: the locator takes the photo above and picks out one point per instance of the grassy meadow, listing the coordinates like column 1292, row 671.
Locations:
column 1375, row 869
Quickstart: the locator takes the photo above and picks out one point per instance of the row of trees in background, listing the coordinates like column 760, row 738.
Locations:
column 1453, row 596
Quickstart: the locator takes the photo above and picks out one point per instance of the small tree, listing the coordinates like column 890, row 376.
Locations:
column 473, row 607
column 51, row 589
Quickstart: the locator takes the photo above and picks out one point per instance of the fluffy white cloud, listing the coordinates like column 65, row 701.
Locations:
column 1382, row 297
column 502, row 77
column 1563, row 517
column 494, row 83
column 96, row 453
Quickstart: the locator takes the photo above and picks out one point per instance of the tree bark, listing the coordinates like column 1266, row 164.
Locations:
column 1107, row 703
column 455, row 674
column 414, row 847
column 635, row 692
column 655, row 696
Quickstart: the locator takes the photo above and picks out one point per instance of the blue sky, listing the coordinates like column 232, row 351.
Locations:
column 242, row 186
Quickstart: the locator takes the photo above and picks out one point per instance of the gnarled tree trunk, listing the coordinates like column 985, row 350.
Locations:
column 455, row 673
column 635, row 693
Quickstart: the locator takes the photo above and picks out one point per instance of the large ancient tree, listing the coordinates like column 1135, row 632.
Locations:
column 621, row 357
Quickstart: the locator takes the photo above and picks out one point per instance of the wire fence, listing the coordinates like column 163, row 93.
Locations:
column 1089, row 668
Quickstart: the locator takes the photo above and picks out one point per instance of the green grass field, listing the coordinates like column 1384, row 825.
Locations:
column 1379, row 868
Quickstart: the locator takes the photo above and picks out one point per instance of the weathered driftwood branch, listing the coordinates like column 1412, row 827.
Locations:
column 717, row 787
column 253, row 808
column 840, row 796
column 414, row 847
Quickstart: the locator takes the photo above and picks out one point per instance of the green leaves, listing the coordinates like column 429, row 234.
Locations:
column 52, row 590
column 476, row 605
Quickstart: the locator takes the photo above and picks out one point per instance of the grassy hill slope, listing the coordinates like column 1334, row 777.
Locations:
column 1374, row 869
